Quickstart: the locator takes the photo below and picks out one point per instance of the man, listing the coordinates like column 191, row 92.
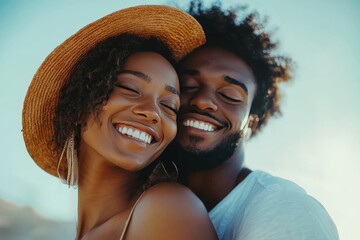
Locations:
column 230, row 89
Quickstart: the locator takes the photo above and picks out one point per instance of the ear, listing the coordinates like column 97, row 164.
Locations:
column 253, row 122
column 249, row 127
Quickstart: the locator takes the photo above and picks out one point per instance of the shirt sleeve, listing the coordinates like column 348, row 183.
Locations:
column 278, row 214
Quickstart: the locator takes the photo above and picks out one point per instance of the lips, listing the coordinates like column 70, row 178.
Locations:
column 135, row 133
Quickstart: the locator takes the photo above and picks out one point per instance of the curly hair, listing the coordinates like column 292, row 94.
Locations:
column 250, row 42
column 92, row 82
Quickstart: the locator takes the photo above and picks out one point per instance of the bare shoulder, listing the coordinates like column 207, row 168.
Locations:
column 170, row 211
column 173, row 198
column 175, row 192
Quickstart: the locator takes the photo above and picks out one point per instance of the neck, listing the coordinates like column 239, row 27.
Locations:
column 104, row 191
column 211, row 186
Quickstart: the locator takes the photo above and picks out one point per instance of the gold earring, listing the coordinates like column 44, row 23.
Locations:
column 175, row 167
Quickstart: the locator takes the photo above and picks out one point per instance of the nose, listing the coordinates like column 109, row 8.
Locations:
column 147, row 110
column 204, row 100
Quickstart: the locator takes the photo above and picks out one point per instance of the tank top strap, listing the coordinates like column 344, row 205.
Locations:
column 129, row 217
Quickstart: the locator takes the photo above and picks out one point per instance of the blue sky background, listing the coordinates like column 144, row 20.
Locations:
column 315, row 143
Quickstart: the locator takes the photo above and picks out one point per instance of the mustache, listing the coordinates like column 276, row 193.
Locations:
column 204, row 113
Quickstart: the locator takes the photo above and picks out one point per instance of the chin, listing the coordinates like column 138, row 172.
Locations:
column 199, row 143
column 136, row 166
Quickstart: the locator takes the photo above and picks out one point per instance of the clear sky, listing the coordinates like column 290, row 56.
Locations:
column 315, row 143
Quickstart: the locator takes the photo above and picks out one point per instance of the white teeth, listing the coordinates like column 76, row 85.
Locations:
column 199, row 125
column 191, row 123
column 124, row 130
column 129, row 132
column 142, row 136
column 135, row 133
column 148, row 139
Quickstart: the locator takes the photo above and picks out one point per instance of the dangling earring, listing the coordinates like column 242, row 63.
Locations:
column 157, row 173
column 176, row 169
column 72, row 161
column 158, row 176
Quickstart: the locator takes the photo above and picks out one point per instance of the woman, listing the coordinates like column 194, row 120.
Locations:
column 101, row 108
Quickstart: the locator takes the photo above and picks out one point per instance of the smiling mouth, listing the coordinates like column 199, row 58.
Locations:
column 205, row 126
column 135, row 133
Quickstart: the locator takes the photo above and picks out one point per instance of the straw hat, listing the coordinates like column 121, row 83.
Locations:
column 181, row 32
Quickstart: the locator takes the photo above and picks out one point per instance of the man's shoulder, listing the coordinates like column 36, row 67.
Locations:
column 266, row 205
column 259, row 184
column 279, row 196
column 263, row 181
column 287, row 214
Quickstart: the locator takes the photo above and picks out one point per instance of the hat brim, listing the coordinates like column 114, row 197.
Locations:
column 181, row 32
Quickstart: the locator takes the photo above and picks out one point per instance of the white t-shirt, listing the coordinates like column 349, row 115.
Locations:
column 264, row 207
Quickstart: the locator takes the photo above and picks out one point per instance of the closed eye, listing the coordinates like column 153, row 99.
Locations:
column 126, row 88
column 230, row 98
column 173, row 109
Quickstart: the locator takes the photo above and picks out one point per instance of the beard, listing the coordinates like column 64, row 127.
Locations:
column 190, row 158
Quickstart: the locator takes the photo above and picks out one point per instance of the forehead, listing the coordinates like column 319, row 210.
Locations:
column 218, row 62
column 153, row 65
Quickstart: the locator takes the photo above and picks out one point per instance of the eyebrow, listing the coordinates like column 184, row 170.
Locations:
column 236, row 82
column 147, row 78
column 136, row 74
column 194, row 72
column 172, row 90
